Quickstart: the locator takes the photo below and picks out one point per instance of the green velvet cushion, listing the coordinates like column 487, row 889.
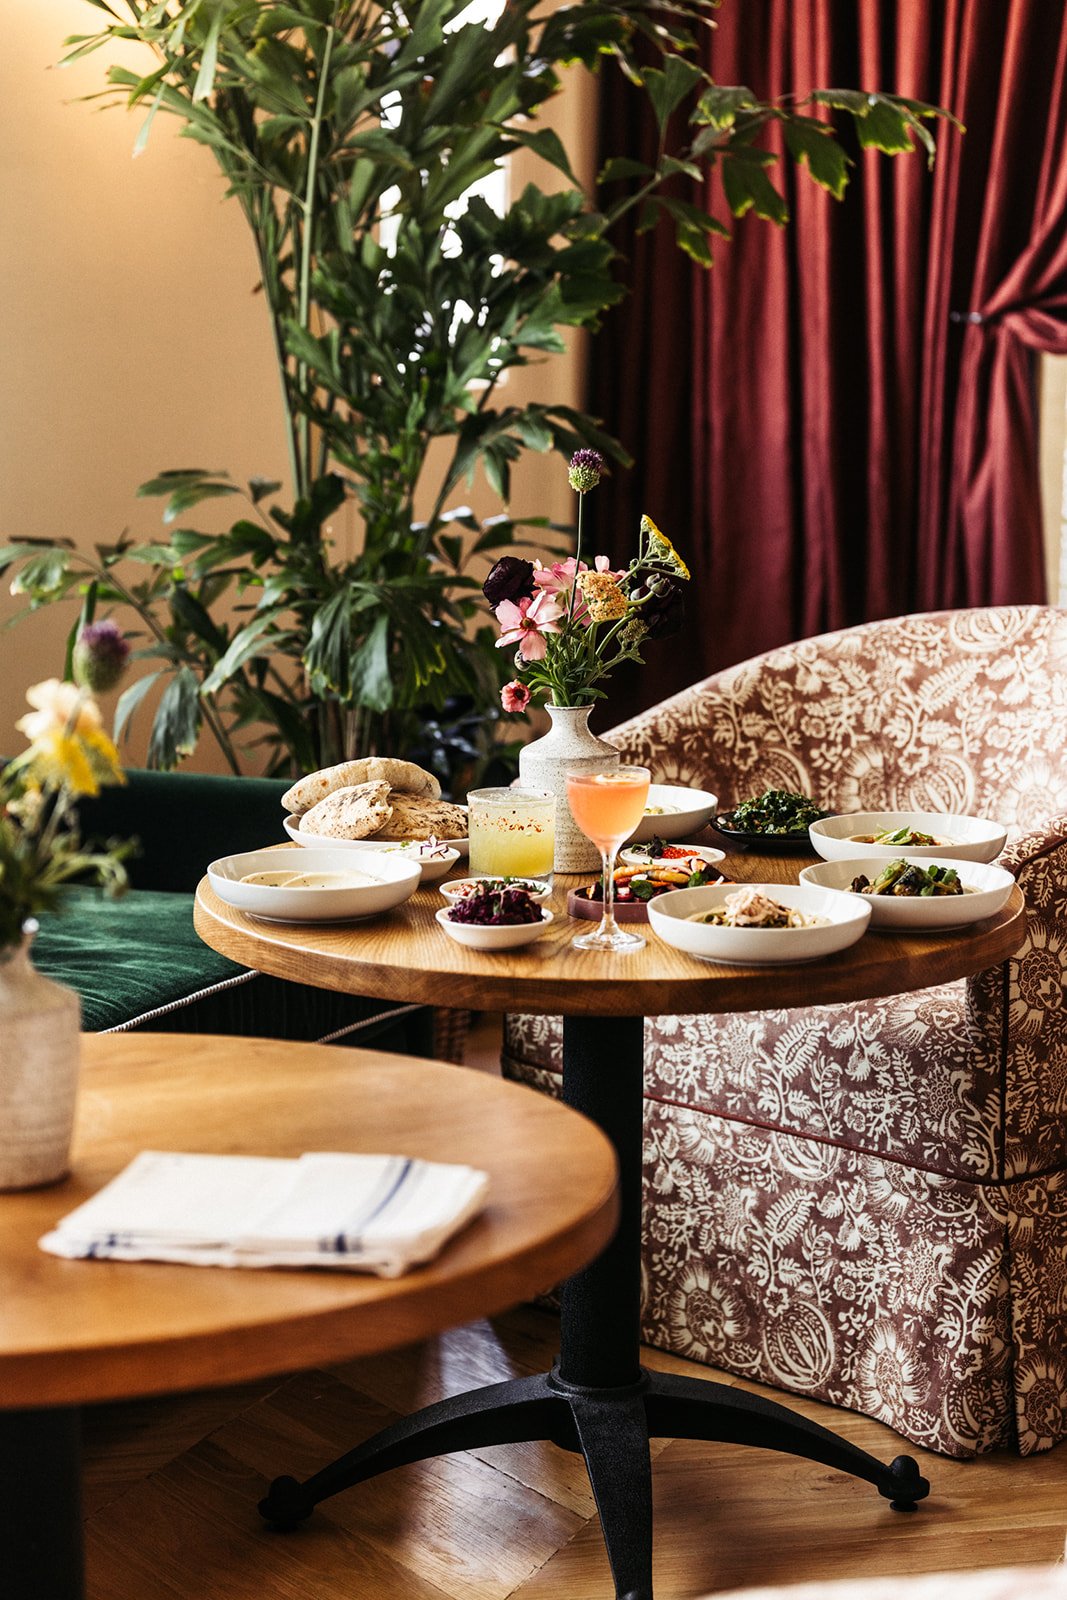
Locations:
column 125, row 957
column 184, row 820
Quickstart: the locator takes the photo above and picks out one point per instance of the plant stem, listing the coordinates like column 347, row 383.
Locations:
column 303, row 484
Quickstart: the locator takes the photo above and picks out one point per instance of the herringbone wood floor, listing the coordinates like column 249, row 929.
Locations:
column 172, row 1486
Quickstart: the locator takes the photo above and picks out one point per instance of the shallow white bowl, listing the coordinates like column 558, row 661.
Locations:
column 965, row 838
column 433, row 867
column 918, row 913
column 632, row 857
column 395, row 879
column 847, row 918
column 476, row 937
column 689, row 810
column 456, row 889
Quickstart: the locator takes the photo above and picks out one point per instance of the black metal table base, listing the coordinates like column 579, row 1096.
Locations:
column 598, row 1399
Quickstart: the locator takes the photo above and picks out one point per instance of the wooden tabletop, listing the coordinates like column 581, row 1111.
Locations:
column 74, row 1331
column 404, row 955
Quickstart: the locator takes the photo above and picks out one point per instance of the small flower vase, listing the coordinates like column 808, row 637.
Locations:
column 40, row 1025
column 568, row 746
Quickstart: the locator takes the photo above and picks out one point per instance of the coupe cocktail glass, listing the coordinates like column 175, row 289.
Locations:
column 607, row 806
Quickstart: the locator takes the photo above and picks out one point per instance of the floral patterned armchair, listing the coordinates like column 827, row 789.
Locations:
column 867, row 1203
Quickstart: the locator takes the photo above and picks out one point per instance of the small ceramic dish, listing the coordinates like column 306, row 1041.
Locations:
column 846, row 837
column 672, row 812
column 985, row 888
column 636, row 855
column 375, row 883
column 460, row 888
column 433, row 865
column 505, row 936
column 846, row 918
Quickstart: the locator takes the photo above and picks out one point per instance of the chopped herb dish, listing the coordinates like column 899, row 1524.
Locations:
column 496, row 908
column 776, row 811
column 900, row 878
column 471, row 886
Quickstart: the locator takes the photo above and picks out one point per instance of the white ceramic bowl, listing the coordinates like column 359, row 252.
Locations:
column 636, row 856
column 506, row 937
column 433, row 867
column 990, row 888
column 685, row 811
column 963, row 838
column 394, row 880
column 847, row 918
column 459, row 887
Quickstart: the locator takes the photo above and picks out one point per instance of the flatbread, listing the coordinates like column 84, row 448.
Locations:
column 402, row 775
column 416, row 818
column 351, row 813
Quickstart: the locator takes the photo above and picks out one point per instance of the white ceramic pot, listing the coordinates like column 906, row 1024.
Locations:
column 568, row 746
column 40, row 1024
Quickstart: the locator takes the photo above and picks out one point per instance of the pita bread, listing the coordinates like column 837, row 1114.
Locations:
column 403, row 775
column 351, row 813
column 416, row 818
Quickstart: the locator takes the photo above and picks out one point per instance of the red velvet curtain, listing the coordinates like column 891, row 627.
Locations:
column 838, row 421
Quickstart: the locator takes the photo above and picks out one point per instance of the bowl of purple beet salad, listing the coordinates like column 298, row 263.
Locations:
column 464, row 888
column 494, row 918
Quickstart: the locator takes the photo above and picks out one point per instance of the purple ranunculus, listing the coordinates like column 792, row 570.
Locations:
column 510, row 579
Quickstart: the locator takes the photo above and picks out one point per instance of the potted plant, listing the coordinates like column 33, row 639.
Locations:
column 354, row 138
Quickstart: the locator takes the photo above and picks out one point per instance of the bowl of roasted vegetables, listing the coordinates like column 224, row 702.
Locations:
column 637, row 883
column 884, row 835
column 919, row 894
column 777, row 819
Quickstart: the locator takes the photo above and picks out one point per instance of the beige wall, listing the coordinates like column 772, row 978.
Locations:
column 130, row 339
column 1053, row 439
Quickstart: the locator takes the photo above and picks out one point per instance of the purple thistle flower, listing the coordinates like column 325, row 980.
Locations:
column 100, row 655
column 511, row 578
column 585, row 471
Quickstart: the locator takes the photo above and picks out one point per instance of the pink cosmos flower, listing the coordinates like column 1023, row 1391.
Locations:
column 558, row 579
column 514, row 696
column 528, row 623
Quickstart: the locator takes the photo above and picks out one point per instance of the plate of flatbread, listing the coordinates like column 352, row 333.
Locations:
column 373, row 800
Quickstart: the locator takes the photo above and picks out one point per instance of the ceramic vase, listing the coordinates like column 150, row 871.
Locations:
column 40, row 1025
column 568, row 746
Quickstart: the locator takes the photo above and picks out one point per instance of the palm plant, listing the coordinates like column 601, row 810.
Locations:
column 353, row 135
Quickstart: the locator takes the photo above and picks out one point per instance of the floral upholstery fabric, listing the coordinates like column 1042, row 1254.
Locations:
column 866, row 1203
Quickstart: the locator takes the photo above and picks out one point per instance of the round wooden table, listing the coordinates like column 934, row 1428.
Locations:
column 78, row 1331
column 597, row 1398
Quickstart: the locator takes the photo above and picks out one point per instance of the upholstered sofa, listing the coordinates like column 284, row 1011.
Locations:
column 867, row 1203
column 137, row 962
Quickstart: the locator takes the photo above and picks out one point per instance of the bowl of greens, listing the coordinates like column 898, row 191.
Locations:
column 777, row 819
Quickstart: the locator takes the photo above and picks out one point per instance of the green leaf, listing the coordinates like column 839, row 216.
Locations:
column 205, row 78
column 245, row 644
column 547, row 144
column 813, row 142
column 176, row 478
column 667, row 89
column 748, row 188
column 176, row 725
column 260, row 488
column 719, row 106
column 130, row 699
column 191, row 614
column 371, row 683
column 620, row 167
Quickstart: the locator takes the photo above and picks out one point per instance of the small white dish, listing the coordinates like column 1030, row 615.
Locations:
column 477, row 936
column 433, row 866
column 638, row 856
column 684, row 811
column 394, row 880
column 847, row 916
column 460, row 888
column 986, row 889
column 960, row 838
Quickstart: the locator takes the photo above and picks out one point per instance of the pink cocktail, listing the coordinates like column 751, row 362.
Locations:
column 607, row 806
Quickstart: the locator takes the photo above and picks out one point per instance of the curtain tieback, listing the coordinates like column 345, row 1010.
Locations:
column 969, row 316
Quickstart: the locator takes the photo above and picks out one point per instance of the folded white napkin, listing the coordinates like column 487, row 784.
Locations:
column 359, row 1213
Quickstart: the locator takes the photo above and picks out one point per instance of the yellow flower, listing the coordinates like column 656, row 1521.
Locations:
column 660, row 549
column 58, row 708
column 604, row 600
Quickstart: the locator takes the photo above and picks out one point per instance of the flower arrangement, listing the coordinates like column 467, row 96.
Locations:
column 572, row 623
column 69, row 755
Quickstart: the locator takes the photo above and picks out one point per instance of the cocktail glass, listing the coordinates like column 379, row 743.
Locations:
column 607, row 806
column 512, row 833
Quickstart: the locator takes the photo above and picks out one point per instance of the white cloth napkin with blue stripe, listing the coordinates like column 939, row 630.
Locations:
column 361, row 1213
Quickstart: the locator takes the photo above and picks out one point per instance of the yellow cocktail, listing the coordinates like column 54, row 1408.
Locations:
column 607, row 806
column 512, row 832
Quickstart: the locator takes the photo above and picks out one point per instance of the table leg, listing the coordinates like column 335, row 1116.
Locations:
column 598, row 1399
column 40, row 1504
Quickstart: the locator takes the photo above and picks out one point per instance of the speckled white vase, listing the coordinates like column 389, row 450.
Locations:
column 568, row 746
column 40, row 1024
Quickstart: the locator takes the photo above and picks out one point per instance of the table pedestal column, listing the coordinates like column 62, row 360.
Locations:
column 40, row 1504
column 598, row 1399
